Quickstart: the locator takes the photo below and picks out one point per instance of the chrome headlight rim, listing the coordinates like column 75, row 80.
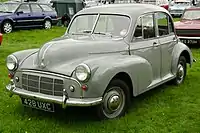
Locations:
column 87, row 70
column 15, row 62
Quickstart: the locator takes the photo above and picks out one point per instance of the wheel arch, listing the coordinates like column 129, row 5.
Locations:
column 127, row 79
column 181, row 50
column 7, row 19
column 186, row 54
column 48, row 18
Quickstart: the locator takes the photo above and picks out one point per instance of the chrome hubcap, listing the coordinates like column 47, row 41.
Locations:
column 7, row 27
column 47, row 24
column 114, row 102
column 180, row 73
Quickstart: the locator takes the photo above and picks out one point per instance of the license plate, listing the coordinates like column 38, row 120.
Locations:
column 38, row 104
column 189, row 41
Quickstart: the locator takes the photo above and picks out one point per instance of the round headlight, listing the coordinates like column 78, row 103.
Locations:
column 82, row 72
column 11, row 62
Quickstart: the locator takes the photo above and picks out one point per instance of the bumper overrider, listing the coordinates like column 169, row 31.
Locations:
column 62, row 100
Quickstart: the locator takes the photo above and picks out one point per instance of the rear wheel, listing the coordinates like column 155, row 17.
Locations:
column 115, row 100
column 47, row 24
column 181, row 71
column 7, row 27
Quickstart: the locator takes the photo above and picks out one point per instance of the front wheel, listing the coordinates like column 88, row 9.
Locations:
column 181, row 71
column 115, row 100
column 7, row 27
column 47, row 24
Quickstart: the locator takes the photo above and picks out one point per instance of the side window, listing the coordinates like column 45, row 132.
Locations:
column 145, row 27
column 148, row 26
column 171, row 26
column 24, row 8
column 164, row 28
column 36, row 8
column 46, row 8
column 138, row 29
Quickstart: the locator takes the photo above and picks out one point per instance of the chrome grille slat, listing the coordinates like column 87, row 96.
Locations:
column 42, row 84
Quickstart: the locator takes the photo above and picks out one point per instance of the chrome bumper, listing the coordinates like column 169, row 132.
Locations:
column 175, row 13
column 64, row 101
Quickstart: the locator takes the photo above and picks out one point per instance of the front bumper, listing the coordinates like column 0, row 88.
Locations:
column 64, row 101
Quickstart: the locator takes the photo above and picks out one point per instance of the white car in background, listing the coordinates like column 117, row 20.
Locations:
column 177, row 7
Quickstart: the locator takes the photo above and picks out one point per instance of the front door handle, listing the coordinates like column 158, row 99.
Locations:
column 155, row 44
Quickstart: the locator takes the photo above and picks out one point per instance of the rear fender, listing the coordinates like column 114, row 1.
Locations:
column 181, row 49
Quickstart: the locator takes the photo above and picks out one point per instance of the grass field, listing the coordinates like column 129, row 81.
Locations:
column 165, row 109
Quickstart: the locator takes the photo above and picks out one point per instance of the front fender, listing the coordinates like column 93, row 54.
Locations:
column 138, row 69
column 177, row 51
column 22, row 55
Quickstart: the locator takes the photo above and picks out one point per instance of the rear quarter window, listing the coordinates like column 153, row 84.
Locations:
column 46, row 8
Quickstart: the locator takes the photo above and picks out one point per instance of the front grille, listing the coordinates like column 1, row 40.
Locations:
column 187, row 32
column 43, row 85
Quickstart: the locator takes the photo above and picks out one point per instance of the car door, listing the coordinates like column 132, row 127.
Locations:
column 37, row 14
column 167, row 40
column 146, row 45
column 23, row 16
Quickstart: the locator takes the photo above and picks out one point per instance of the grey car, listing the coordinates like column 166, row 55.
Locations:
column 108, row 54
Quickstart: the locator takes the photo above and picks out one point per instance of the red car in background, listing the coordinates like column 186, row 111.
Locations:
column 1, row 38
column 161, row 3
column 188, row 28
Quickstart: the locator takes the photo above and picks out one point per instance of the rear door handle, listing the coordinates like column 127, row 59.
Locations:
column 174, row 39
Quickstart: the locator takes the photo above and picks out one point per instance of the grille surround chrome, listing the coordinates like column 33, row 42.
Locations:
column 42, row 84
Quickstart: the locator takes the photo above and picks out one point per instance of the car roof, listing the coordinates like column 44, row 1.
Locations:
column 15, row 2
column 182, row 1
column 133, row 10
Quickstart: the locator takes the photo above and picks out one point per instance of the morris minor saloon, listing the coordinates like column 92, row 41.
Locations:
column 22, row 15
column 188, row 28
column 108, row 54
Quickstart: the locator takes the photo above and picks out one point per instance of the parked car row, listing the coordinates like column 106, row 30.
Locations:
column 20, row 15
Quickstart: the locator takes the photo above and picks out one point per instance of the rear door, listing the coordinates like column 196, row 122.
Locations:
column 23, row 16
column 167, row 40
column 37, row 14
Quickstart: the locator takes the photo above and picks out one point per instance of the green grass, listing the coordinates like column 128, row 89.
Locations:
column 165, row 109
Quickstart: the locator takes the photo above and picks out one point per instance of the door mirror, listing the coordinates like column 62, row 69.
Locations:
column 19, row 12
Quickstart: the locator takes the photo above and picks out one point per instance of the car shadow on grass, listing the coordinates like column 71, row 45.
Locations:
column 83, row 114
column 69, row 114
